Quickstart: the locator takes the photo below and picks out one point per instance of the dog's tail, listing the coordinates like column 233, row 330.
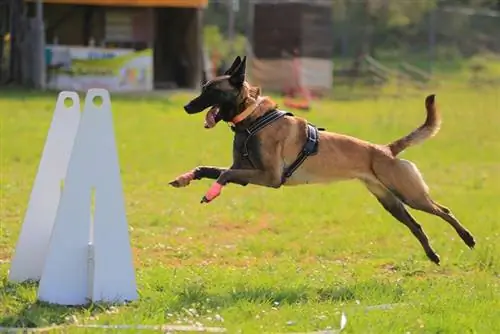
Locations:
column 427, row 130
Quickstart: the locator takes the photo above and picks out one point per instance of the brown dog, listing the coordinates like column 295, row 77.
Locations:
column 273, row 148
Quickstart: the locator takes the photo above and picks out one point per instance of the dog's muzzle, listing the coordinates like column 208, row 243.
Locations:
column 189, row 108
column 196, row 105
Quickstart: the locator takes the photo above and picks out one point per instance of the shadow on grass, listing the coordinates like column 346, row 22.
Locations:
column 21, row 311
column 197, row 296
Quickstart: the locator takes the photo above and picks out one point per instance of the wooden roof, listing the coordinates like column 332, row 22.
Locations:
column 132, row 3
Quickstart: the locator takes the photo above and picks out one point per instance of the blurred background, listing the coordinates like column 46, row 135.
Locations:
column 327, row 47
column 362, row 43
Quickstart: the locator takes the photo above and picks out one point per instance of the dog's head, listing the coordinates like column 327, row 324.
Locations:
column 224, row 95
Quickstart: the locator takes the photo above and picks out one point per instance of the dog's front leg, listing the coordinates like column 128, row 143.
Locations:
column 201, row 172
column 242, row 176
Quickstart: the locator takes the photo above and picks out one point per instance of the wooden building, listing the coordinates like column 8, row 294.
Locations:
column 123, row 44
column 284, row 28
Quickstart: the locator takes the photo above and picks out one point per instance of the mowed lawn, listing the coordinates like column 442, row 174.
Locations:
column 287, row 260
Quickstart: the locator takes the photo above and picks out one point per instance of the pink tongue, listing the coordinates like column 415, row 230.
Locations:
column 210, row 118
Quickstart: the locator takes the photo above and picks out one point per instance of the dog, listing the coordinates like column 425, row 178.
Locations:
column 272, row 148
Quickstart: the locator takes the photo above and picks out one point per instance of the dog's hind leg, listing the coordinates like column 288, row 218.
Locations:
column 396, row 208
column 407, row 183
column 428, row 205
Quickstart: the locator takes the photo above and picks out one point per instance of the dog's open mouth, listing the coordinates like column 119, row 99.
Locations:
column 212, row 117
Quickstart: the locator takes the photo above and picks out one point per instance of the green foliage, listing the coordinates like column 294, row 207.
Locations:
column 404, row 26
column 402, row 13
column 217, row 14
column 215, row 41
column 385, row 13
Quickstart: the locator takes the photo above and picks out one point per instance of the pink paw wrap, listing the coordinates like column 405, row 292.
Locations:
column 214, row 191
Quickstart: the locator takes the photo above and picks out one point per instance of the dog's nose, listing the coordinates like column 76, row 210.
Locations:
column 187, row 107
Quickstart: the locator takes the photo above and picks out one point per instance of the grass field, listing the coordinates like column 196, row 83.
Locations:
column 286, row 260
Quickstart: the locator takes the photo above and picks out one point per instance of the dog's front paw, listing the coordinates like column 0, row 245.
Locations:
column 182, row 180
column 212, row 193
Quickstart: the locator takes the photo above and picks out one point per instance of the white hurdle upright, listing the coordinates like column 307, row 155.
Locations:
column 78, row 254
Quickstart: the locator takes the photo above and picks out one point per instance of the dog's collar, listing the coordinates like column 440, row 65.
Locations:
column 247, row 112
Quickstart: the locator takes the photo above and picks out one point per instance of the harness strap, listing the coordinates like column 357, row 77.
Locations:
column 310, row 148
column 266, row 120
column 261, row 123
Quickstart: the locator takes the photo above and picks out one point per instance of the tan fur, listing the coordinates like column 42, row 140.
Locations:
column 342, row 157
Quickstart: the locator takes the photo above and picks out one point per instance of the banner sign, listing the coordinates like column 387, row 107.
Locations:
column 82, row 68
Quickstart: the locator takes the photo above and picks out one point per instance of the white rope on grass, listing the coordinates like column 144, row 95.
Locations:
column 162, row 328
column 343, row 317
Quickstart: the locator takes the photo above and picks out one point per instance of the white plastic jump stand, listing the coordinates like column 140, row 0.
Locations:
column 29, row 257
column 88, row 257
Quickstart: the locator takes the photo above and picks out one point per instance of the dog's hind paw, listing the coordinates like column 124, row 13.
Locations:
column 434, row 257
column 468, row 238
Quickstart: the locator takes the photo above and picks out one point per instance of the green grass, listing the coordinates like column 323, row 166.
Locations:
column 291, row 259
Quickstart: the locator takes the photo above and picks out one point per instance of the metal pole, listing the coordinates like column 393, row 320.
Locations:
column 249, row 33
column 251, row 15
column 199, row 49
column 230, row 27
column 39, row 67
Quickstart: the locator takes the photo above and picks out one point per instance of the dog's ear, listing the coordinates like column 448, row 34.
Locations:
column 236, row 63
column 238, row 76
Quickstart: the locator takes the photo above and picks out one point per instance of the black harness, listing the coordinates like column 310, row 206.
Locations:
column 310, row 147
